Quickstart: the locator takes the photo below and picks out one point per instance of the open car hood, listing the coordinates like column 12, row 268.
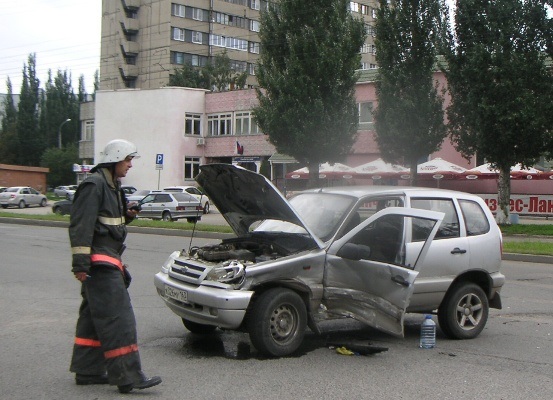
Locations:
column 244, row 197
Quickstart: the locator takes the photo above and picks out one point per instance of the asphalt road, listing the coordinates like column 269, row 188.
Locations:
column 39, row 298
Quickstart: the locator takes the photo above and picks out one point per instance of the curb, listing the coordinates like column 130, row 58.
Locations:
column 540, row 259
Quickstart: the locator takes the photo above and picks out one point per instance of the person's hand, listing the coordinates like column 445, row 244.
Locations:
column 81, row 276
column 133, row 208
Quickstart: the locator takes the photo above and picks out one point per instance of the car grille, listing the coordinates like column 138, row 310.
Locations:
column 188, row 272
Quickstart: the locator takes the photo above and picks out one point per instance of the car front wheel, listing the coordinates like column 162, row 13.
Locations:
column 43, row 203
column 464, row 311
column 277, row 322
column 166, row 216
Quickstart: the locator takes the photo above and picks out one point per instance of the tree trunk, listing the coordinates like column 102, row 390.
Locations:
column 313, row 175
column 504, row 196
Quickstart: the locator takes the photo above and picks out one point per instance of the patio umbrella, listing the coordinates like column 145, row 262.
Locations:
column 334, row 171
column 379, row 168
column 440, row 169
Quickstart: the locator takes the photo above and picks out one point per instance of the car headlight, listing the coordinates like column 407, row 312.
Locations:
column 170, row 260
column 229, row 273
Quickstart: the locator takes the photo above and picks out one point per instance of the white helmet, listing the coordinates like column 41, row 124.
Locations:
column 117, row 150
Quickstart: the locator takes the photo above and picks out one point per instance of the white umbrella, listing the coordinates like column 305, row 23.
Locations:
column 379, row 168
column 439, row 168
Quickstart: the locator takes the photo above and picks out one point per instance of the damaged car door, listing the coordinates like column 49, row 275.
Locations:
column 370, row 271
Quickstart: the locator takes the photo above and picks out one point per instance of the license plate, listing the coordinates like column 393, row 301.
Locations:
column 176, row 294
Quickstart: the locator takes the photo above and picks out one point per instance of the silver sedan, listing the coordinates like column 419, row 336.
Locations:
column 22, row 196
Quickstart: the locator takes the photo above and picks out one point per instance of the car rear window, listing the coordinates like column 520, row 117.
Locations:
column 184, row 197
column 475, row 218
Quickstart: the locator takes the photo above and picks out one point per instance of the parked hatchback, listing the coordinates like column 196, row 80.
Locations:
column 22, row 196
column 194, row 191
column 371, row 253
column 170, row 207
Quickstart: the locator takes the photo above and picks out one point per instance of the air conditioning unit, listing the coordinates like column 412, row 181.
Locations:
column 200, row 141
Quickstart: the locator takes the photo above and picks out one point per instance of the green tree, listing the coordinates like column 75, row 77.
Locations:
column 502, row 92
column 307, row 74
column 409, row 118
column 31, row 144
column 60, row 162
column 9, row 143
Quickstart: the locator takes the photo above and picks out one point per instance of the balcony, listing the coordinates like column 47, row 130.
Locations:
column 128, row 71
column 129, row 47
column 129, row 25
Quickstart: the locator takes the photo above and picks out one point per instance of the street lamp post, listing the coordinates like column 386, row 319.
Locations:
column 59, row 131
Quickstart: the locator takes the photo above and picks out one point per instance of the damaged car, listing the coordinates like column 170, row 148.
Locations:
column 371, row 253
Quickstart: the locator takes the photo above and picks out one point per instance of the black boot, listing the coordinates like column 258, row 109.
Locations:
column 145, row 383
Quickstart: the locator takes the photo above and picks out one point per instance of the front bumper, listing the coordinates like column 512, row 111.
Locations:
column 206, row 304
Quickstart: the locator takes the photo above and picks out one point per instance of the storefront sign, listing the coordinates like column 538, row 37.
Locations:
column 530, row 204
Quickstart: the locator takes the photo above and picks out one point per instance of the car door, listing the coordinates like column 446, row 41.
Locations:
column 147, row 204
column 370, row 271
column 34, row 196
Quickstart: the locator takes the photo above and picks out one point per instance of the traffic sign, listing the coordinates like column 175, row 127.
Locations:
column 159, row 161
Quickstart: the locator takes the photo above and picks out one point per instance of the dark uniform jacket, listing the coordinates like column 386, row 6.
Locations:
column 97, row 228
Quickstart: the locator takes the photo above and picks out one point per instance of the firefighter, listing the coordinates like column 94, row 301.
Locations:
column 105, row 349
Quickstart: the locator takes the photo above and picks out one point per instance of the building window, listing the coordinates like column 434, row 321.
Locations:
column 373, row 66
column 195, row 60
column 365, row 114
column 217, row 40
column 219, row 124
column 244, row 124
column 354, row 6
column 191, row 167
column 374, row 12
column 373, row 49
column 178, row 34
column 254, row 25
column 251, row 68
column 254, row 4
column 254, row 47
column 364, row 65
column 236, row 44
column 197, row 37
column 198, row 14
column 192, row 124
column 365, row 49
column 370, row 30
column 88, row 131
column 177, row 10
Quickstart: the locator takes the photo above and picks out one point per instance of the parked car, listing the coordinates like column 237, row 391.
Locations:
column 22, row 196
column 65, row 191
column 128, row 189
column 194, row 191
column 63, row 207
column 170, row 207
column 138, row 195
column 371, row 253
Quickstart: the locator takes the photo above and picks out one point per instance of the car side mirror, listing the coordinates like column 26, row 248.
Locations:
column 352, row 251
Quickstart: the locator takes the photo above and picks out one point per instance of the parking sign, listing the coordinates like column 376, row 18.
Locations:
column 159, row 161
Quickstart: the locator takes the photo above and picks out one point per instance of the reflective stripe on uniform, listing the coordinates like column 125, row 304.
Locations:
column 121, row 351
column 112, row 221
column 87, row 342
column 80, row 250
column 107, row 259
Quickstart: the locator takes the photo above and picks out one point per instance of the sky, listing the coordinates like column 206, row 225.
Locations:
column 64, row 34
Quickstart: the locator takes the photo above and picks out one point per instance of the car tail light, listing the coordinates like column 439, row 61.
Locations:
column 199, row 208
column 181, row 208
column 12, row 196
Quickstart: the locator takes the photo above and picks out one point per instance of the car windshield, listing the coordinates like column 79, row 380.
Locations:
column 322, row 212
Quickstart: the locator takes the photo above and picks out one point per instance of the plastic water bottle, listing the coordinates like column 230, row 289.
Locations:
column 428, row 333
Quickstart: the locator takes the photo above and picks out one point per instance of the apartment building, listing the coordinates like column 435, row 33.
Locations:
column 143, row 41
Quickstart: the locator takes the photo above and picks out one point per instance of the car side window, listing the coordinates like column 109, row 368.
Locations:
column 384, row 239
column 163, row 198
column 449, row 227
column 475, row 218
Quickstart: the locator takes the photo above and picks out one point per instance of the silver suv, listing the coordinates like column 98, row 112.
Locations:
column 371, row 253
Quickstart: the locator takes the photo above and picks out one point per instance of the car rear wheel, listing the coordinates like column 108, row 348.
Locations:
column 43, row 203
column 4, row 206
column 464, row 311
column 166, row 216
column 57, row 210
column 22, row 204
column 200, row 329
column 277, row 322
